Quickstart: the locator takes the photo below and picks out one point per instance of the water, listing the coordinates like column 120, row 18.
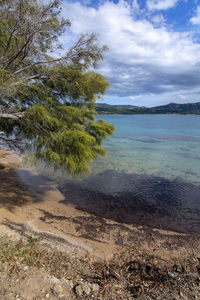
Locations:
column 158, row 145
column 150, row 176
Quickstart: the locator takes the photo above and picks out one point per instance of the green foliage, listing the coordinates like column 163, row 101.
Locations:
column 48, row 103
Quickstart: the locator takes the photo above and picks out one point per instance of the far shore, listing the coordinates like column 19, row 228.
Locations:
column 146, row 114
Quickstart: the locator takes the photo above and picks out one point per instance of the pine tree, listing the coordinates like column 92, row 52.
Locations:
column 47, row 103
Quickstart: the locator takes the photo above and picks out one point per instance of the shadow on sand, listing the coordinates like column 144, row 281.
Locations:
column 39, row 185
column 12, row 192
column 20, row 187
column 138, row 200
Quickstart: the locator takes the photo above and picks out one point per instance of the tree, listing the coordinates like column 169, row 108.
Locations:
column 47, row 103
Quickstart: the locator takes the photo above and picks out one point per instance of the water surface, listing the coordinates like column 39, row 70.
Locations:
column 150, row 176
column 159, row 145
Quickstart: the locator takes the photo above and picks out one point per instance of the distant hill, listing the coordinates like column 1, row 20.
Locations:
column 172, row 108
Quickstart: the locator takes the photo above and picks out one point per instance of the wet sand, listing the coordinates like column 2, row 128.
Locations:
column 73, row 219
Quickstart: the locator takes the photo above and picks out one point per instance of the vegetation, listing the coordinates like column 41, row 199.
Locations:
column 47, row 103
column 129, row 275
column 172, row 108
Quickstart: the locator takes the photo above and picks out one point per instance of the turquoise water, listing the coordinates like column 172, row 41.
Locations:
column 150, row 176
column 158, row 145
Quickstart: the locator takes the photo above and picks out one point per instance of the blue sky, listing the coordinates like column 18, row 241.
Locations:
column 154, row 47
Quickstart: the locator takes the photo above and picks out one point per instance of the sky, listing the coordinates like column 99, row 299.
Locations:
column 154, row 47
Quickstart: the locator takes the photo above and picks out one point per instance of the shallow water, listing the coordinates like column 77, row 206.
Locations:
column 149, row 177
column 160, row 145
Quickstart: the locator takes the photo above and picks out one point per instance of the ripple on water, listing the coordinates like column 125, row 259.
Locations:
column 138, row 199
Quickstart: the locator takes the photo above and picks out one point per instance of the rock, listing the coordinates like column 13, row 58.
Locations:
column 53, row 279
column 95, row 289
column 63, row 297
column 47, row 295
column 83, row 289
column 87, row 289
column 171, row 275
column 79, row 290
column 69, row 283
column 180, row 293
column 146, row 298
column 57, row 290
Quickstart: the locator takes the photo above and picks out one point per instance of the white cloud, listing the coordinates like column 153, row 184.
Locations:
column 158, row 19
column 161, row 4
column 143, row 59
column 196, row 19
column 135, row 5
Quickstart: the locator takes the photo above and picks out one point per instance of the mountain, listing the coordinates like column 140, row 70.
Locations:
column 171, row 108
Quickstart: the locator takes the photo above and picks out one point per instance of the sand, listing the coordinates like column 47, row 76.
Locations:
column 31, row 205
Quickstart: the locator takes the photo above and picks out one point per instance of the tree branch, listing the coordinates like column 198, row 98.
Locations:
column 25, row 79
column 15, row 116
column 39, row 63
column 72, row 53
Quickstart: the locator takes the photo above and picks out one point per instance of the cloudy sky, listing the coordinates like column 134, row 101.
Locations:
column 154, row 47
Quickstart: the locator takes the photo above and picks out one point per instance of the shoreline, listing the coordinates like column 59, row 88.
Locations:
column 53, row 249
column 32, row 204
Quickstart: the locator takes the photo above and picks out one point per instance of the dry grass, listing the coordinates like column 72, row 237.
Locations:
column 127, row 276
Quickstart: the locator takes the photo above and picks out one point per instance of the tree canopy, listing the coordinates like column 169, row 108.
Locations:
column 47, row 102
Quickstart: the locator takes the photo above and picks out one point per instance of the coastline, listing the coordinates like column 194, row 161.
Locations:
column 33, row 209
column 32, row 204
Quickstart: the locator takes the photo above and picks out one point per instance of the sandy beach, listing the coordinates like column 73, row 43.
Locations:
column 32, row 207
column 31, row 204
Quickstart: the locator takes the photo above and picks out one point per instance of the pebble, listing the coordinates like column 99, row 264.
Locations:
column 69, row 283
column 95, row 289
column 87, row 289
column 62, row 297
column 181, row 294
column 47, row 295
column 57, row 290
column 171, row 275
column 82, row 289
column 146, row 298
column 53, row 279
